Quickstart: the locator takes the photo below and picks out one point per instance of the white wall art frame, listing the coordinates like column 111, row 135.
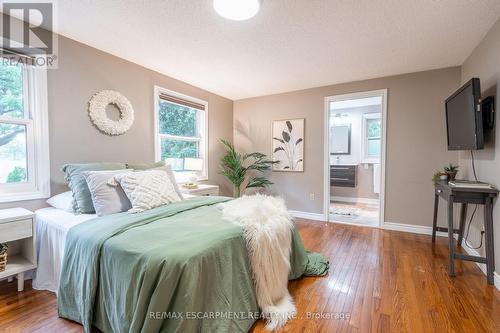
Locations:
column 288, row 145
column 98, row 116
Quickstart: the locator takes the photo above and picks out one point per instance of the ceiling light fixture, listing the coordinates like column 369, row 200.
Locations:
column 237, row 10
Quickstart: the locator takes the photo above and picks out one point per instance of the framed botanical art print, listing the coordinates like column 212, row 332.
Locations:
column 288, row 145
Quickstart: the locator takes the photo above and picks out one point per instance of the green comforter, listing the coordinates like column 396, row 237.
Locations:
column 176, row 268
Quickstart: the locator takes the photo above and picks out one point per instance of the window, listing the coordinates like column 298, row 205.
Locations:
column 181, row 132
column 372, row 134
column 24, row 158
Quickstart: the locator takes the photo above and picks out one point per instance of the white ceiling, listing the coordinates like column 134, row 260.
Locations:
column 289, row 45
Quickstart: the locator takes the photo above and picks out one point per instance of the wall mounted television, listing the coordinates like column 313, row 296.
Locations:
column 464, row 119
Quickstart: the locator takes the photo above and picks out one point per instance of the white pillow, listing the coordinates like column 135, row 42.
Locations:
column 170, row 173
column 107, row 199
column 147, row 189
column 62, row 201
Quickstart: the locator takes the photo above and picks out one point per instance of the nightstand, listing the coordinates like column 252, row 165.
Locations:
column 202, row 189
column 17, row 229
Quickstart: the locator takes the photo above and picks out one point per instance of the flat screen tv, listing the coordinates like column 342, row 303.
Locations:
column 464, row 120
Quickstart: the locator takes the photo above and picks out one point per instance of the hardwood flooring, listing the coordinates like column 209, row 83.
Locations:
column 379, row 281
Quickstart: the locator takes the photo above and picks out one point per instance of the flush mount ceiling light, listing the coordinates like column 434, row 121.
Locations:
column 237, row 10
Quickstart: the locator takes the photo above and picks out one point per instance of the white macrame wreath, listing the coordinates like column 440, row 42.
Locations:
column 97, row 112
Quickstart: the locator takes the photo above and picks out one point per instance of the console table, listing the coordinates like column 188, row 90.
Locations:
column 464, row 196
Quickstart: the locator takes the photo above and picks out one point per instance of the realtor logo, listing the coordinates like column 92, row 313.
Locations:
column 27, row 32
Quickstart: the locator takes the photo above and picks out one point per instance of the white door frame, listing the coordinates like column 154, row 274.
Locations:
column 326, row 174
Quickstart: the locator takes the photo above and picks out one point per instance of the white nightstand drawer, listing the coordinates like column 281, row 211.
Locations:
column 15, row 230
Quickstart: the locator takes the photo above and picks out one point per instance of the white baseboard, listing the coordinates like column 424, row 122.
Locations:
column 482, row 267
column 307, row 215
column 417, row 229
column 368, row 201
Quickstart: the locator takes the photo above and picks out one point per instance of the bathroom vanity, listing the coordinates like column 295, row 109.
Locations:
column 343, row 175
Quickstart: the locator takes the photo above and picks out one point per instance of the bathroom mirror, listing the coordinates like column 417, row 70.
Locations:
column 340, row 139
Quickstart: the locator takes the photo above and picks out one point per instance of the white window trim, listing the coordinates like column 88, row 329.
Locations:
column 203, row 140
column 364, row 146
column 37, row 126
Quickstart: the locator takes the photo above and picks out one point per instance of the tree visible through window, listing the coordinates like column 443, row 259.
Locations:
column 373, row 136
column 13, row 125
column 181, row 130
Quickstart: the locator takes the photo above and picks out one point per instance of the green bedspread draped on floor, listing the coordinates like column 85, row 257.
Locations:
column 176, row 268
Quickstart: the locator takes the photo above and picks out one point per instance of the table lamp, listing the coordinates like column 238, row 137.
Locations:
column 194, row 165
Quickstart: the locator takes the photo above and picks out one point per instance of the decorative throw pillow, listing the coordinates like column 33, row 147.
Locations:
column 147, row 189
column 159, row 166
column 63, row 201
column 107, row 199
column 82, row 201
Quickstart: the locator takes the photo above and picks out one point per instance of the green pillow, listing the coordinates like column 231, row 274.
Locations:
column 145, row 166
column 82, row 201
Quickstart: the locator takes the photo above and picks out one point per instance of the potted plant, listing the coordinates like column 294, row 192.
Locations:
column 236, row 167
column 439, row 176
column 451, row 170
column 3, row 256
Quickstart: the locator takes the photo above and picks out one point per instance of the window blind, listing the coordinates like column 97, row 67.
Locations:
column 8, row 52
column 182, row 102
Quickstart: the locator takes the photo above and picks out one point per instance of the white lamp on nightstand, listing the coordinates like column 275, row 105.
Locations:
column 193, row 164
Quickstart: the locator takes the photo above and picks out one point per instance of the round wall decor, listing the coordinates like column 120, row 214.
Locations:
column 98, row 116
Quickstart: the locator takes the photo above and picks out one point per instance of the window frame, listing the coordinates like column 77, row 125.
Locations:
column 35, row 105
column 202, row 130
column 364, row 144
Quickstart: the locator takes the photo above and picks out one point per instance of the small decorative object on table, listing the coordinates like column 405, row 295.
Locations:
column 451, row 170
column 190, row 186
column 201, row 190
column 3, row 256
column 439, row 176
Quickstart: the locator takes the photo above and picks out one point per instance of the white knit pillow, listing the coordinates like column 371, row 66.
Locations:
column 147, row 189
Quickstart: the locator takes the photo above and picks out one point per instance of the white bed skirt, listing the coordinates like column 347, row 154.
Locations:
column 52, row 226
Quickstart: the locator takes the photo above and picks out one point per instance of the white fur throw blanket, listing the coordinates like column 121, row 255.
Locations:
column 267, row 229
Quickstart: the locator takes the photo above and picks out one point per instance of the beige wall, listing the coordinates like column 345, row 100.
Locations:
column 83, row 71
column 484, row 63
column 416, row 139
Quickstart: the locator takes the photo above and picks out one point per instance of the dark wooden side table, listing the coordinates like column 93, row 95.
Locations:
column 465, row 196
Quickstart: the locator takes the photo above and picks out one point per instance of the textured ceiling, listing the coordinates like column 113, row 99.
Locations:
column 289, row 45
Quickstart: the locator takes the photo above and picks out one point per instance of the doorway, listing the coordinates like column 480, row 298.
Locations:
column 355, row 158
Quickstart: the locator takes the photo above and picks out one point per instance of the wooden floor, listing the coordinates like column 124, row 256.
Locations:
column 379, row 281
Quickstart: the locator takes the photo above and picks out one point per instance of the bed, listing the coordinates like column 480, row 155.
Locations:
column 52, row 226
column 175, row 268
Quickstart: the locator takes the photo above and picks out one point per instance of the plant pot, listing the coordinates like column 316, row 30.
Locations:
column 443, row 177
column 451, row 175
column 3, row 262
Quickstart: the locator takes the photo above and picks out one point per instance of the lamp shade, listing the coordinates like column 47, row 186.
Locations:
column 193, row 164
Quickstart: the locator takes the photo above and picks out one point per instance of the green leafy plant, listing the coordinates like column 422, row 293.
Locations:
column 3, row 248
column 240, row 168
column 17, row 175
column 451, row 168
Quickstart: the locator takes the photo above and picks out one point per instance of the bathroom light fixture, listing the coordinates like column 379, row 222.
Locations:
column 237, row 10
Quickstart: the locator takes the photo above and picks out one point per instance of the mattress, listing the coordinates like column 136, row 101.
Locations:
column 52, row 226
